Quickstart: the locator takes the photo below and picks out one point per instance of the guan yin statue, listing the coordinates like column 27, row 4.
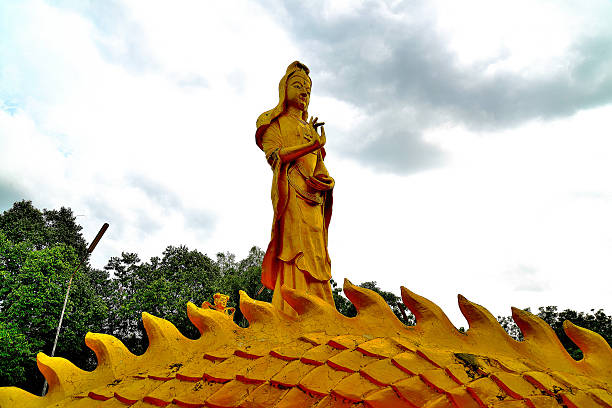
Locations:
column 297, row 256
column 299, row 351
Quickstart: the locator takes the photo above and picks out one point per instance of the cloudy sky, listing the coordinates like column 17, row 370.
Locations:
column 470, row 141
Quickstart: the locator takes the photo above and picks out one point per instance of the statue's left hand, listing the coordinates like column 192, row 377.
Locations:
column 314, row 138
column 314, row 123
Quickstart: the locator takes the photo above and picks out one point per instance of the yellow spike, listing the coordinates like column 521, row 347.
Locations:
column 305, row 304
column 534, row 328
column 432, row 325
column 111, row 353
column 210, row 323
column 484, row 329
column 166, row 344
column 596, row 350
column 477, row 316
column 370, row 304
column 426, row 311
column 541, row 342
column 63, row 377
column 163, row 336
column 365, row 299
column 194, row 315
column 256, row 311
column 160, row 331
column 16, row 397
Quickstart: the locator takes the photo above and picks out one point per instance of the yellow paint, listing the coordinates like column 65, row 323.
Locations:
column 297, row 256
column 220, row 305
column 322, row 357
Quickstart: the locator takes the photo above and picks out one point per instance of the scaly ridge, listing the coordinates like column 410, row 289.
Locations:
column 212, row 325
column 322, row 357
column 64, row 378
column 541, row 344
column 597, row 354
column 16, row 397
column 310, row 309
column 262, row 315
column 432, row 324
column 485, row 331
column 370, row 304
column 112, row 355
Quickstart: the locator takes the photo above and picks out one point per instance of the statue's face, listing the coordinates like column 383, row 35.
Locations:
column 221, row 300
column 298, row 91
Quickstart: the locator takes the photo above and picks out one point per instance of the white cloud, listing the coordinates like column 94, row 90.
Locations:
column 161, row 145
column 533, row 38
column 113, row 123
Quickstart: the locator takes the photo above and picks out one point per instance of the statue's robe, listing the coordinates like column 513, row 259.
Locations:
column 297, row 255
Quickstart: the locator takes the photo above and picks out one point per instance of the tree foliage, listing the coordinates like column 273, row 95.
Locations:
column 34, row 283
column 161, row 287
column 39, row 250
column 15, row 353
column 42, row 229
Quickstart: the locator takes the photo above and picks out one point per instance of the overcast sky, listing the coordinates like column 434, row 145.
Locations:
column 470, row 141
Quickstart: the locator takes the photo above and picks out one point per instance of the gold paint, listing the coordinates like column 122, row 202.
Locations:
column 297, row 256
column 322, row 357
column 220, row 305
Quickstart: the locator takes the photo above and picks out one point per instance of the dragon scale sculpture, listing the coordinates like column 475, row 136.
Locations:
column 324, row 359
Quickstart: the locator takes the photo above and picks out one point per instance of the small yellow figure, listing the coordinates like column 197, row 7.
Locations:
column 221, row 305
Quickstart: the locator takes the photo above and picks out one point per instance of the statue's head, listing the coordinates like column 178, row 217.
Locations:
column 220, row 300
column 293, row 88
column 296, row 86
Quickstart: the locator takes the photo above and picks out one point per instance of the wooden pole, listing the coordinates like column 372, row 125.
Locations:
column 92, row 246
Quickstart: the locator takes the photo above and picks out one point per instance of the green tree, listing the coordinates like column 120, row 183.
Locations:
column 61, row 228
column 34, row 285
column 343, row 305
column 39, row 250
column 15, row 354
column 508, row 324
column 122, row 318
column 162, row 287
column 243, row 275
column 25, row 223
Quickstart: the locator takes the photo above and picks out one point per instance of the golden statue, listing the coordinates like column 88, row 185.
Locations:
column 297, row 255
column 220, row 305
